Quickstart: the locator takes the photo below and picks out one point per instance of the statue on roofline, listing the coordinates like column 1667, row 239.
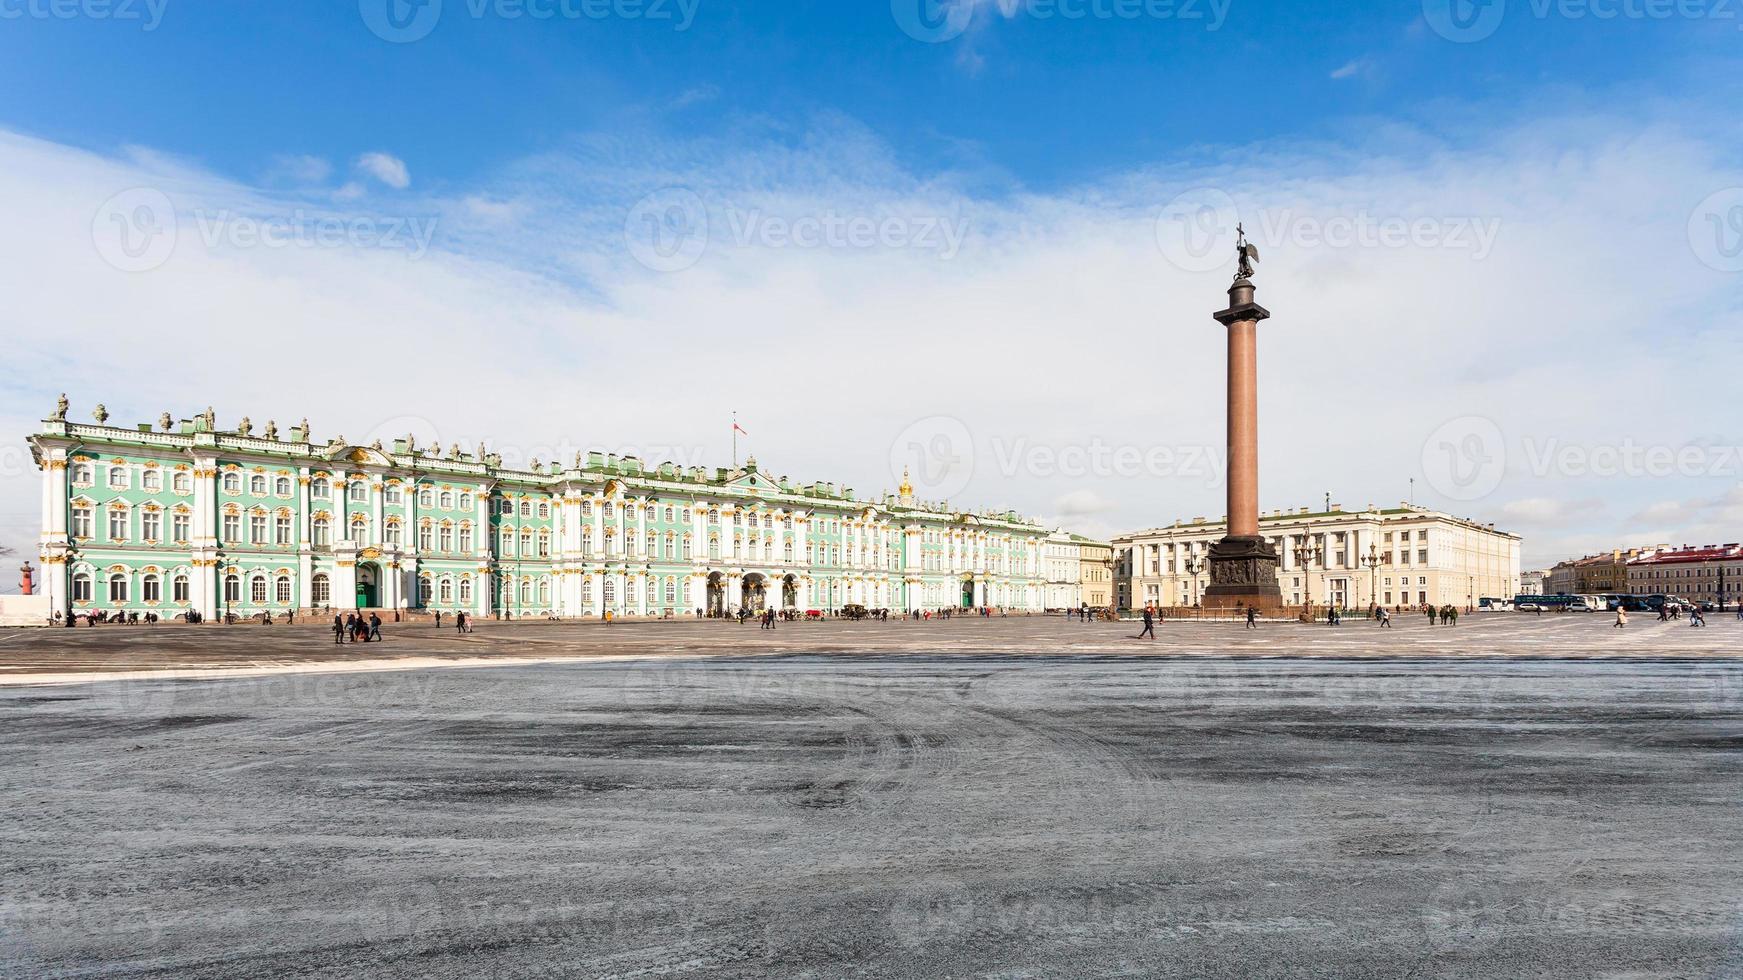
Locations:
column 60, row 409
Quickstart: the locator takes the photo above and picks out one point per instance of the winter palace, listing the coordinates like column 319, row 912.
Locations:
column 184, row 516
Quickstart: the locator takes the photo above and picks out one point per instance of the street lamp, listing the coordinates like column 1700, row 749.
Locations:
column 1194, row 565
column 1305, row 555
column 1374, row 560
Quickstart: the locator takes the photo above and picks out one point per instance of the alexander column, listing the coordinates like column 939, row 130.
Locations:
column 1243, row 568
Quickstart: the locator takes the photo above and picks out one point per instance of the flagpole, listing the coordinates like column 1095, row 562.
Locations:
column 735, row 440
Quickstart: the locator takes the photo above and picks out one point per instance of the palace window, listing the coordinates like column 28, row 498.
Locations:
column 81, row 587
column 544, row 511
column 668, row 515
column 320, row 590
column 610, row 591
column 359, row 527
column 321, row 533
column 713, row 549
column 282, row 486
column 257, row 529
column 447, row 500
column 283, row 589
column 526, row 509
column 180, row 526
column 257, row 485
column 151, row 525
column 526, row 541
column 425, row 497
column 151, row 588
column 629, row 592
column 713, row 516
column 466, row 538
column 81, row 520
column 257, row 590
column 82, row 477
column 281, row 532
column 320, row 489
column 465, row 591
column 465, row 501
column 605, row 510
column 544, row 592
column 232, row 588
column 118, row 587
column 178, row 589
column 447, row 590
column 358, row 491
column 423, row 591
column 232, row 482
column 424, row 536
column 447, row 537
column 394, row 494
column 687, row 548
column 544, row 544
column 526, row 591
column 650, row 512
column 181, row 482
column 391, row 533
column 117, row 524
column 151, row 481
column 671, row 591
column 586, row 508
column 587, row 589
column 117, row 477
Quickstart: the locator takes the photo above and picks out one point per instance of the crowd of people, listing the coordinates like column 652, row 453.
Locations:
column 354, row 628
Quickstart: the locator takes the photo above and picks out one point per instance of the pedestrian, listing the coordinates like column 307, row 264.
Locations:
column 374, row 627
column 1385, row 618
column 338, row 630
column 1621, row 618
column 1431, row 615
column 460, row 622
column 438, row 619
column 1149, row 625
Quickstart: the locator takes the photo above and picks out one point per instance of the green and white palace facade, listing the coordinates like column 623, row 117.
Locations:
column 185, row 517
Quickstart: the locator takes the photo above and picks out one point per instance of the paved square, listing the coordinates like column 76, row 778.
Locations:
column 1012, row 798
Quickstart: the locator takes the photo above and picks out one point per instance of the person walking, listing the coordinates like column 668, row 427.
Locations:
column 1149, row 625
column 338, row 630
column 1385, row 618
column 1252, row 617
column 375, row 627
column 1621, row 618
column 1431, row 615
column 460, row 622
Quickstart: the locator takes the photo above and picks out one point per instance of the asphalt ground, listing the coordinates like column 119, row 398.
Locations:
column 1027, row 798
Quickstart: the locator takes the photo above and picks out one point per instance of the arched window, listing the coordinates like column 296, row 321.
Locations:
column 178, row 589
column 284, row 590
column 526, row 591
column 283, row 486
column 465, row 591
column 587, row 589
column 118, row 587
column 358, row 490
column 465, row 537
column 320, row 489
column 544, row 511
column 320, row 589
column 322, row 533
column 181, row 482
column 447, row 500
column 425, row 497
column 257, row 485
column 423, row 591
column 447, row 537
column 630, row 591
column 544, row 543
column 391, row 533
column 232, row 482
column 232, row 587
column 117, row 522
column 82, row 474
column 671, row 591
column 425, row 536
column 609, row 590
column 393, row 494
column 151, row 588
column 81, row 587
column 465, row 501
column 544, row 592
column 151, row 481
column 447, row 590
column 257, row 590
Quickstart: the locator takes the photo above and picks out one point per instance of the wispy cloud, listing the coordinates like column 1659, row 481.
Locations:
column 387, row 168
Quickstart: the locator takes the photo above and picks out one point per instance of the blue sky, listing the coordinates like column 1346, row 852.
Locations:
column 1499, row 241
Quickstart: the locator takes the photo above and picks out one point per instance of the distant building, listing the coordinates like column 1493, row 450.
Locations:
column 1600, row 574
column 1534, row 583
column 1096, row 575
column 1712, row 573
column 1062, row 570
column 1402, row 556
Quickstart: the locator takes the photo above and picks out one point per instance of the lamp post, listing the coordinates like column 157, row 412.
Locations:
column 1374, row 560
column 1194, row 565
column 1305, row 555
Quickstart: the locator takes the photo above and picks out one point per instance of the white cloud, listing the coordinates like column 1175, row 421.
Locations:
column 298, row 169
column 1352, row 68
column 1059, row 325
column 387, row 168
